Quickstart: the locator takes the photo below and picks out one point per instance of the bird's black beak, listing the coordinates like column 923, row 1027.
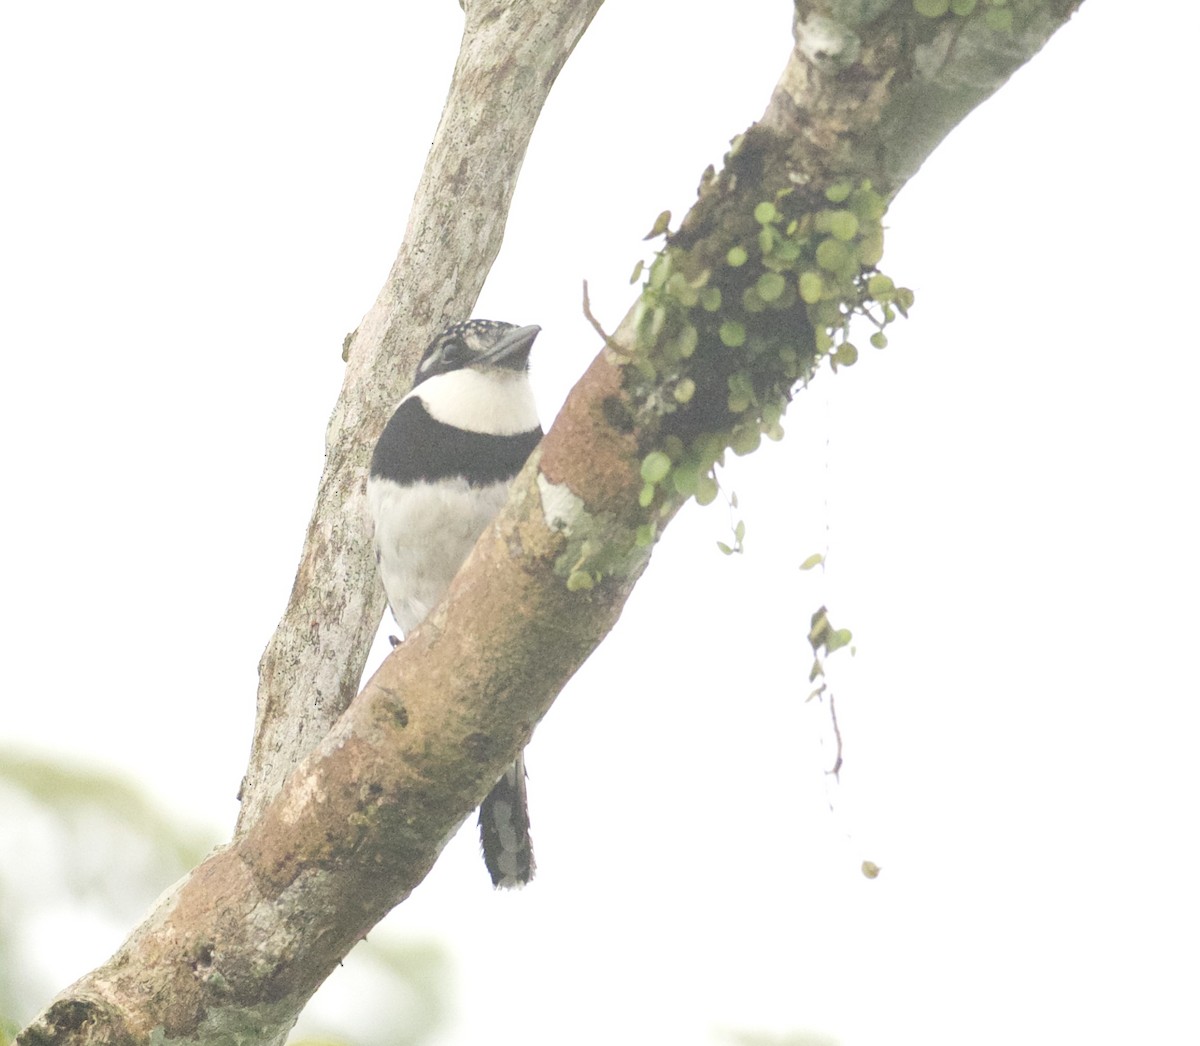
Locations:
column 512, row 350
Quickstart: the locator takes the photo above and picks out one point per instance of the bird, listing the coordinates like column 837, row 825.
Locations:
column 439, row 474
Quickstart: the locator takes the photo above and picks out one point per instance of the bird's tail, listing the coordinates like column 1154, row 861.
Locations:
column 504, row 829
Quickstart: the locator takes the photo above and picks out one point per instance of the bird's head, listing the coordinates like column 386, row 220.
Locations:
column 480, row 345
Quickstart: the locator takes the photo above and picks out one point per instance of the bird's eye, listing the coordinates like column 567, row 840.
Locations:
column 454, row 351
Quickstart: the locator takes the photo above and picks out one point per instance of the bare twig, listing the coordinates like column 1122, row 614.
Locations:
column 609, row 342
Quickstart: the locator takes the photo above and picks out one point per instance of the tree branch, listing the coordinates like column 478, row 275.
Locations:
column 236, row 949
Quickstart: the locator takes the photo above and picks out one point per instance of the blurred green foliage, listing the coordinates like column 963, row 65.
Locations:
column 74, row 833
column 794, row 1038
column 75, row 797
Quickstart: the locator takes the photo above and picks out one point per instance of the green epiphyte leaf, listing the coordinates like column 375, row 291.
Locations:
column 867, row 203
column 649, row 329
column 837, row 638
column 661, row 224
column 819, row 629
column 765, row 213
column 787, row 251
column 733, row 334
column 879, row 285
column 679, row 288
column 787, row 298
column 870, row 246
column 815, row 560
column 846, row 355
column 660, row 270
column 812, row 286
column 707, row 448
column 736, row 257
column 826, row 313
column 706, row 490
column 649, row 324
column 931, row 8
column 751, row 301
column 655, row 467
column 580, row 581
column 843, row 225
column 832, row 254
column 740, row 382
column 879, row 340
column 637, row 271
column 685, row 389
column 685, row 479
column 770, row 286
column 839, row 190
column 745, row 440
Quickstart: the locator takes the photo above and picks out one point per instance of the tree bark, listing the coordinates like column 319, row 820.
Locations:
column 341, row 823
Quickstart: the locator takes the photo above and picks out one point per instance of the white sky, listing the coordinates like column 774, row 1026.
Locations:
column 200, row 201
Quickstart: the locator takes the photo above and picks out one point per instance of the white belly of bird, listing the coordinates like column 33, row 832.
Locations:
column 430, row 529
